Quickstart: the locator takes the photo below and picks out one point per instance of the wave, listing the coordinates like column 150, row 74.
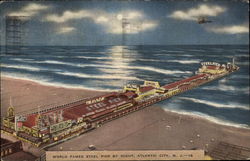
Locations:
column 227, row 88
column 209, row 118
column 196, row 50
column 242, row 55
column 185, row 61
column 182, row 55
column 123, row 59
column 21, row 59
column 153, row 69
column 223, row 80
column 131, row 59
column 168, row 51
column 81, row 75
column 242, row 50
column 174, row 51
column 53, row 56
column 242, row 63
column 148, row 68
column 47, row 82
column 219, row 56
column 30, row 68
column 144, row 68
column 53, row 62
column 217, row 49
column 240, row 76
column 217, row 105
column 99, row 58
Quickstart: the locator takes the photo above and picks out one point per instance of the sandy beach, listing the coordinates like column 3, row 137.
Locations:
column 149, row 129
column 27, row 95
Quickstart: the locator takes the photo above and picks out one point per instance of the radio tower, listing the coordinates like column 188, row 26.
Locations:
column 15, row 33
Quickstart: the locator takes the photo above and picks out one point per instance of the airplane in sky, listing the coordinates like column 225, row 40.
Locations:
column 202, row 20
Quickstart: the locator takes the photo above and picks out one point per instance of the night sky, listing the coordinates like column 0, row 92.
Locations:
column 147, row 22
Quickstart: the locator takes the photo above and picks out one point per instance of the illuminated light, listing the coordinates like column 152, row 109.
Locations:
column 95, row 100
column 119, row 16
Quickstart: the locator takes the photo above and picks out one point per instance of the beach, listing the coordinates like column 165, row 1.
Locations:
column 151, row 128
column 28, row 95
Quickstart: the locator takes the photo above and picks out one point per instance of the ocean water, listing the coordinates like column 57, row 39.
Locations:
column 225, row 101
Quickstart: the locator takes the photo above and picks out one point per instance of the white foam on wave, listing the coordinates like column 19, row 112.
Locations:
column 242, row 50
column 56, row 56
column 91, row 57
column 54, row 62
column 223, row 87
column 37, row 61
column 140, row 59
column 215, row 104
column 223, row 80
column 209, row 118
column 26, row 67
column 109, row 76
column 21, row 59
column 217, row 49
column 242, row 63
column 47, row 82
column 185, row 61
column 153, row 69
column 240, row 76
column 120, row 58
column 196, row 50
column 173, row 51
column 176, row 55
column 243, row 55
column 148, row 68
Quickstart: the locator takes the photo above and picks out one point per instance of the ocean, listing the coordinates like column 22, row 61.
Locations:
column 224, row 101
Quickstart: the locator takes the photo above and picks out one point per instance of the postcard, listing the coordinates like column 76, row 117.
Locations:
column 124, row 80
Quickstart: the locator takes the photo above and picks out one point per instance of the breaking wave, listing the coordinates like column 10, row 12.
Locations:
column 82, row 75
column 217, row 105
column 48, row 82
column 118, row 58
column 30, row 68
column 23, row 59
column 243, row 63
column 148, row 68
column 163, row 71
column 209, row 118
column 53, row 62
column 196, row 50
column 242, row 55
column 240, row 76
column 226, row 88
column 180, row 55
column 171, row 51
column 242, row 50
column 186, row 61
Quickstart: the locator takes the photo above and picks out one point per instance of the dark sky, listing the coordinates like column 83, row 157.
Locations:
column 145, row 22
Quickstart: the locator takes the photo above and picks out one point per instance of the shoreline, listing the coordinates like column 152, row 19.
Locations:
column 31, row 81
column 54, row 85
column 37, row 95
column 208, row 118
